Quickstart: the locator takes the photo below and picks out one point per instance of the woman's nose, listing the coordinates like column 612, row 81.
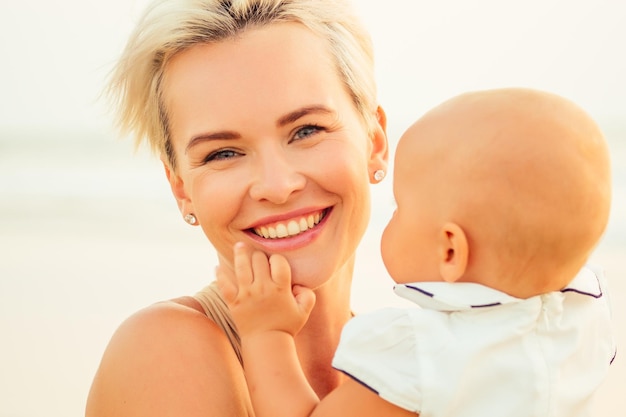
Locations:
column 276, row 177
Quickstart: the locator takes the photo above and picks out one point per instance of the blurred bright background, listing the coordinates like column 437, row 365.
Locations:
column 89, row 232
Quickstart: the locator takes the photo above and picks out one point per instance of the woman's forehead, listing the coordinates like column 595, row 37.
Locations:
column 269, row 71
column 280, row 53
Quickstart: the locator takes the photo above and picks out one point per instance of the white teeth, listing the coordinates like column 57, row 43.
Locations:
column 281, row 230
column 292, row 228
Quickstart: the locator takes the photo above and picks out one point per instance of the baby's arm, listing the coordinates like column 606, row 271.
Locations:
column 268, row 314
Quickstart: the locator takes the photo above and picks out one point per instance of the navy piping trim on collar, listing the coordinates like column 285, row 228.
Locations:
column 487, row 305
column 432, row 296
column 420, row 290
column 564, row 290
column 582, row 292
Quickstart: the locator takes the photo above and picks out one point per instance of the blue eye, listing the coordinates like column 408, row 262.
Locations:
column 221, row 155
column 307, row 131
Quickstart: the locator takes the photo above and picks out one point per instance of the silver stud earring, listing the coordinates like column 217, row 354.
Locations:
column 379, row 174
column 190, row 218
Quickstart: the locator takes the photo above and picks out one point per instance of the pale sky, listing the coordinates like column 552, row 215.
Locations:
column 55, row 54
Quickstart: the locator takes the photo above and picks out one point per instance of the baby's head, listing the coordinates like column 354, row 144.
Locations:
column 509, row 188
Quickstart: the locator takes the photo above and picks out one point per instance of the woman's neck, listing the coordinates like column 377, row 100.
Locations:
column 317, row 341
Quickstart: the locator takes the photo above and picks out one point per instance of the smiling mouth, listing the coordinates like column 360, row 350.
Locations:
column 291, row 227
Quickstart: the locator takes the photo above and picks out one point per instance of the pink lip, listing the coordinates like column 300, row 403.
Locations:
column 289, row 243
column 286, row 216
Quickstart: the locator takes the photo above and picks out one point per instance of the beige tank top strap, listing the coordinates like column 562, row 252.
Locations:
column 215, row 308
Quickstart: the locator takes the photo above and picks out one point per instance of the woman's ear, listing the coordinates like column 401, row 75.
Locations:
column 379, row 151
column 178, row 189
column 454, row 252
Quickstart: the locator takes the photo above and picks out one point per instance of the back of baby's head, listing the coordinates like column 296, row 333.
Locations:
column 532, row 175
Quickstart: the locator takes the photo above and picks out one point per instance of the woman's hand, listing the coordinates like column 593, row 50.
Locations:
column 260, row 295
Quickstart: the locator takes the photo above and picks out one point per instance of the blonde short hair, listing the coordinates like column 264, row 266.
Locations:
column 168, row 27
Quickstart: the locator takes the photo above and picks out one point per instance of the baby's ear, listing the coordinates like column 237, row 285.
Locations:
column 453, row 251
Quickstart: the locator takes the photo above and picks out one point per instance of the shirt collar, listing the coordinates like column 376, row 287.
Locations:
column 587, row 282
column 445, row 296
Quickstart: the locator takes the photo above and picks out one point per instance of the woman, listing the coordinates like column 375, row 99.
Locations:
column 265, row 114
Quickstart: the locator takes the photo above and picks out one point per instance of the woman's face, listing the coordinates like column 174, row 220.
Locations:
column 270, row 149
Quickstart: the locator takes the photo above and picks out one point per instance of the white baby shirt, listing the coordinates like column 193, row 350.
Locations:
column 472, row 351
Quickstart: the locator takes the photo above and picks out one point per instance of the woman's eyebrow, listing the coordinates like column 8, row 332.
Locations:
column 203, row 137
column 304, row 111
column 288, row 118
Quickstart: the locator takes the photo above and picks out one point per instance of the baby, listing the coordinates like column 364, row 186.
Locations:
column 502, row 195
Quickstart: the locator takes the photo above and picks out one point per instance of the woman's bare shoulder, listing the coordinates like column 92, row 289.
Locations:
column 168, row 359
